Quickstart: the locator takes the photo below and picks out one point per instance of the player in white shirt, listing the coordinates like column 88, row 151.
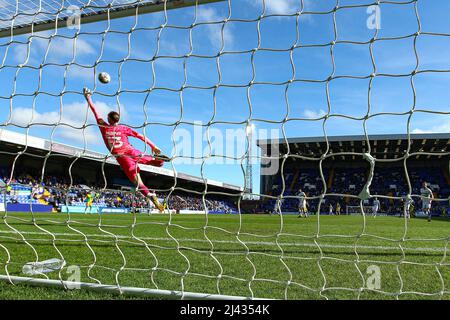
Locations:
column 375, row 207
column 277, row 206
column 407, row 203
column 427, row 197
column 330, row 209
column 302, row 207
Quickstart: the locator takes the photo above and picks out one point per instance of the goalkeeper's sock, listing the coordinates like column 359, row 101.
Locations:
column 145, row 191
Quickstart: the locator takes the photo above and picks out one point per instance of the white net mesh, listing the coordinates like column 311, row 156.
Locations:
column 172, row 71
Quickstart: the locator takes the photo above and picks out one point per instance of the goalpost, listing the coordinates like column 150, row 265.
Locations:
column 195, row 260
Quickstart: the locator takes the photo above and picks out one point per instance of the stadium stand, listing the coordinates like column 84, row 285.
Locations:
column 26, row 189
column 341, row 178
column 72, row 173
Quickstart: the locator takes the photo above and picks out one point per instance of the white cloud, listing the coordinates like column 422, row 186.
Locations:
column 20, row 52
column 205, row 14
column 58, row 47
column 313, row 114
column 170, row 48
column 91, row 134
column 278, row 6
column 73, row 114
column 286, row 7
column 281, row 6
column 441, row 128
column 420, row 131
column 66, row 46
column 75, row 71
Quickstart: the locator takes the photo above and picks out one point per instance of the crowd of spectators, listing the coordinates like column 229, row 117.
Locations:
column 346, row 184
column 60, row 191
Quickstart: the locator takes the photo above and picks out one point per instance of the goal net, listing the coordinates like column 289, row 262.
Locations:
column 227, row 73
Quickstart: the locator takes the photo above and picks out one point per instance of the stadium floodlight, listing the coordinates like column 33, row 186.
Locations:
column 250, row 130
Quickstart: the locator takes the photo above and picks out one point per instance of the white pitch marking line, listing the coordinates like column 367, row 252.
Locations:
column 293, row 244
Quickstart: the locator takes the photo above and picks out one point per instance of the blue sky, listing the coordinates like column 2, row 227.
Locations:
column 68, row 67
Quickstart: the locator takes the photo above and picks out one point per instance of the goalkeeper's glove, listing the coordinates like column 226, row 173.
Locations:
column 87, row 93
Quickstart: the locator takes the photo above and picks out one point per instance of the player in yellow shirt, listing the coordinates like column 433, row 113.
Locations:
column 89, row 199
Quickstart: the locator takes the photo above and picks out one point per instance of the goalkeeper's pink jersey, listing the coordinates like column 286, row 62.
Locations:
column 116, row 138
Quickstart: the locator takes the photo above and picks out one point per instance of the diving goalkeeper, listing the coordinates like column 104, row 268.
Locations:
column 115, row 137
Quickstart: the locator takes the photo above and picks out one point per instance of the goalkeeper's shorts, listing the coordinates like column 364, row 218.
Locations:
column 129, row 162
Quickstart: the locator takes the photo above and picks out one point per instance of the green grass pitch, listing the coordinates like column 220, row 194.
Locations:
column 267, row 256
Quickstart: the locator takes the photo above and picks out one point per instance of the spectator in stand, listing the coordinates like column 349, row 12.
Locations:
column 58, row 191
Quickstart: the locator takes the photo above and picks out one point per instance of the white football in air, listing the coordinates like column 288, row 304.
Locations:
column 104, row 77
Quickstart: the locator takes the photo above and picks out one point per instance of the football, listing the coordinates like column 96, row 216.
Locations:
column 104, row 77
